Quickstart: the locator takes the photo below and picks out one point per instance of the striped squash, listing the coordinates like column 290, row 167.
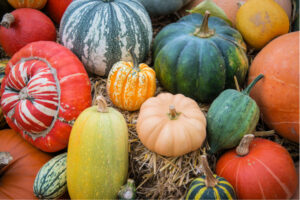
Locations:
column 2, row 74
column 100, row 32
column 210, row 186
column 40, row 94
column 51, row 180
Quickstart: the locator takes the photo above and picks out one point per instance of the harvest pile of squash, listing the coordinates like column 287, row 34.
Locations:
column 60, row 139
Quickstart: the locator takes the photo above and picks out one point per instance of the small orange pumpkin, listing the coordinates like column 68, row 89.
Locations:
column 36, row 4
column 171, row 125
column 130, row 84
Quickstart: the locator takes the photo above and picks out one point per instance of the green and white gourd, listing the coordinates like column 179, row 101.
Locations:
column 51, row 180
column 100, row 32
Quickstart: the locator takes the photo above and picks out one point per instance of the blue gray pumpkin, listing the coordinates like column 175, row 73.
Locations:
column 100, row 32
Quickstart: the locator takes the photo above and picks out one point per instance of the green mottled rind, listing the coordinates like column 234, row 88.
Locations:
column 51, row 180
column 200, row 68
column 97, row 155
column 198, row 190
column 231, row 116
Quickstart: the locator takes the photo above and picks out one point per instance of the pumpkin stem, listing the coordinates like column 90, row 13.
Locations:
column 204, row 31
column 248, row 89
column 172, row 113
column 5, row 159
column 134, row 59
column 128, row 190
column 7, row 20
column 102, row 105
column 210, row 180
column 243, row 148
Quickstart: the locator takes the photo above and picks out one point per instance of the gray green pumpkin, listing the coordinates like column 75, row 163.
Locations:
column 232, row 115
column 100, row 32
column 163, row 7
column 199, row 57
column 51, row 180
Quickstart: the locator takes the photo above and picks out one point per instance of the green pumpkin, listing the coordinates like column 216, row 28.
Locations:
column 210, row 186
column 51, row 180
column 199, row 60
column 231, row 116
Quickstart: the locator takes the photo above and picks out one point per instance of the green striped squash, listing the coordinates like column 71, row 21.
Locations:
column 101, row 32
column 199, row 57
column 51, row 180
column 2, row 74
column 232, row 115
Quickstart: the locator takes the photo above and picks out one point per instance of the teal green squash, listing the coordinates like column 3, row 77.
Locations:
column 232, row 115
column 51, row 180
column 210, row 186
column 199, row 60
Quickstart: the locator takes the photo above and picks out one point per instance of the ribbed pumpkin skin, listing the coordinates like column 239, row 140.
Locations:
column 128, row 88
column 2, row 74
column 198, row 190
column 267, row 172
column 165, row 7
column 199, row 67
column 51, row 180
column 97, row 155
column 101, row 33
column 229, row 118
column 35, row 4
column 39, row 94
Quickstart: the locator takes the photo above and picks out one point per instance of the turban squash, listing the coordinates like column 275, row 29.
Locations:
column 40, row 94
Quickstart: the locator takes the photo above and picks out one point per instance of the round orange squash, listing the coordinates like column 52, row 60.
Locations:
column 129, row 84
column 259, row 21
column 277, row 95
column 36, row 4
column 171, row 125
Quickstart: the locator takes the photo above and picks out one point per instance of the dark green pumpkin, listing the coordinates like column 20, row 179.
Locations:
column 210, row 186
column 232, row 115
column 197, row 60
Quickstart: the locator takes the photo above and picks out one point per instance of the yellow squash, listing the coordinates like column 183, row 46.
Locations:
column 259, row 21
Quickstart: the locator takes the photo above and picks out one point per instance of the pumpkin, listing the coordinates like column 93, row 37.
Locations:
column 36, row 4
column 23, row 26
column 51, row 180
column 56, row 9
column 259, row 21
column 5, row 7
column 129, row 84
column 97, row 153
column 17, row 177
column 182, row 62
column 259, row 169
column 237, row 108
column 127, row 191
column 101, row 32
column 278, row 94
column 165, row 7
column 40, row 94
column 209, row 185
column 171, row 125
column 2, row 74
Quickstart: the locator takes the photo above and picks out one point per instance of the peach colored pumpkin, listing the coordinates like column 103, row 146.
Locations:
column 36, row 4
column 171, row 125
column 277, row 94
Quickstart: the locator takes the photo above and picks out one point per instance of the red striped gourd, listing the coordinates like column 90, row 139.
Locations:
column 51, row 180
column 2, row 74
column 97, row 153
column 40, row 94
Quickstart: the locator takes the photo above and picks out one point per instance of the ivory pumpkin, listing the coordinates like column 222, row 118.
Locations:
column 129, row 84
column 17, row 178
column 171, row 125
column 277, row 95
column 259, row 21
column 36, row 4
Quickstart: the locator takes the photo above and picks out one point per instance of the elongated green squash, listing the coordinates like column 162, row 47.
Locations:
column 51, row 180
column 97, row 153
column 232, row 115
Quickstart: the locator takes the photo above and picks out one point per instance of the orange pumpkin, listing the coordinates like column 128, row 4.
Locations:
column 36, row 4
column 17, row 178
column 130, row 84
column 171, row 125
column 277, row 95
